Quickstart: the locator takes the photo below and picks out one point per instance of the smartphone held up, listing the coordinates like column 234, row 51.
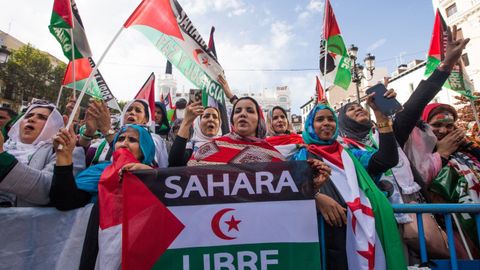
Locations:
column 388, row 106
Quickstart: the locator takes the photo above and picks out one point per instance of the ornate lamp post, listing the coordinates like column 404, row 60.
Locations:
column 357, row 69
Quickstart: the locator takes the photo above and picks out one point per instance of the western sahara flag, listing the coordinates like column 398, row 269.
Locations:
column 97, row 88
column 221, row 217
column 65, row 20
column 168, row 27
column 333, row 50
column 458, row 80
column 147, row 92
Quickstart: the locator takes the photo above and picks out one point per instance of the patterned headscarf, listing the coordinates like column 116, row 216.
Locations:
column 309, row 135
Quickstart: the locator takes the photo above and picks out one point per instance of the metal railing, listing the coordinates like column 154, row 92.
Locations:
column 447, row 210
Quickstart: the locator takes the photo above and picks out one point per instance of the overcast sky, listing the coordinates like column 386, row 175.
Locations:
column 251, row 36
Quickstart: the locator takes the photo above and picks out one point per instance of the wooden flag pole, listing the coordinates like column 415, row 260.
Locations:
column 325, row 55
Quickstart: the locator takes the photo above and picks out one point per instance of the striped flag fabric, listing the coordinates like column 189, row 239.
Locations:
column 168, row 27
column 147, row 92
column 319, row 91
column 458, row 80
column 250, row 216
column 98, row 88
column 66, row 20
column 333, row 51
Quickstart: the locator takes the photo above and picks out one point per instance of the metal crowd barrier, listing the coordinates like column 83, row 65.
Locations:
column 446, row 209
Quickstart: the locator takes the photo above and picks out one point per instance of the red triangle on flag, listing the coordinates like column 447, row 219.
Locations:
column 149, row 227
column 438, row 44
column 320, row 91
column 82, row 71
column 157, row 14
column 110, row 189
column 330, row 27
column 64, row 10
column 147, row 92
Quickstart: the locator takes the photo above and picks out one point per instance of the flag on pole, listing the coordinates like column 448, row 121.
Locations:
column 333, row 51
column 168, row 27
column 211, row 101
column 64, row 16
column 98, row 88
column 147, row 92
column 458, row 80
column 319, row 91
column 179, row 219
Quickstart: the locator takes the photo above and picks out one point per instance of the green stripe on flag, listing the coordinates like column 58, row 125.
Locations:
column 93, row 90
column 276, row 256
column 184, row 62
column 385, row 223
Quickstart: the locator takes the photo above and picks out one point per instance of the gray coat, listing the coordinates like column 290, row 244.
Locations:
column 29, row 185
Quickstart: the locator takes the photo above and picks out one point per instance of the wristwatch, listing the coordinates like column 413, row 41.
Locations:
column 109, row 132
column 388, row 123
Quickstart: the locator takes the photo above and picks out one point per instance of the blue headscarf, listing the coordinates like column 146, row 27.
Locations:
column 88, row 179
column 309, row 135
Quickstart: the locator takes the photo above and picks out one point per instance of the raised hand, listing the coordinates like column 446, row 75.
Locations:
column 68, row 140
column 322, row 172
column 450, row 143
column 454, row 50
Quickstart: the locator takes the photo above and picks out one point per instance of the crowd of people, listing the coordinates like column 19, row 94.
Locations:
column 418, row 156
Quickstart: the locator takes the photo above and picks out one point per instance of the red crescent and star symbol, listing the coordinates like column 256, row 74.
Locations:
column 232, row 224
column 205, row 60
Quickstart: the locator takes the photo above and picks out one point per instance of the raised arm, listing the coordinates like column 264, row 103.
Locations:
column 405, row 120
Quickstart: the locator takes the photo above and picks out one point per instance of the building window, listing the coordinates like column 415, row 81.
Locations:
column 459, row 33
column 282, row 99
column 465, row 60
column 451, row 10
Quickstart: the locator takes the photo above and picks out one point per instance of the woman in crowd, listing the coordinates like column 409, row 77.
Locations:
column 27, row 157
column 351, row 188
column 162, row 126
column 206, row 127
column 248, row 130
column 458, row 179
column 98, row 117
column 134, row 149
column 246, row 143
column 280, row 133
column 69, row 192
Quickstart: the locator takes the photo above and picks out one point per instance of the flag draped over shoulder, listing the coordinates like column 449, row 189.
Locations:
column 333, row 51
column 65, row 20
column 458, row 80
column 98, row 88
column 147, row 92
column 168, row 27
column 209, row 216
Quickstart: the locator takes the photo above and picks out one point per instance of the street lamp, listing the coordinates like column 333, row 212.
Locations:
column 356, row 69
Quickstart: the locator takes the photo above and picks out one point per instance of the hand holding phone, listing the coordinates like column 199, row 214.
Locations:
column 195, row 95
column 387, row 106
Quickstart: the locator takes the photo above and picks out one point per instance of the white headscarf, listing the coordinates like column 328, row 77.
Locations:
column 150, row 123
column 198, row 138
column 22, row 151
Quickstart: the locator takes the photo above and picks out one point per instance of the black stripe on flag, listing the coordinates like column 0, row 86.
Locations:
column 233, row 183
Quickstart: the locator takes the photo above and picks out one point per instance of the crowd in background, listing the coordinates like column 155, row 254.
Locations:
column 418, row 156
